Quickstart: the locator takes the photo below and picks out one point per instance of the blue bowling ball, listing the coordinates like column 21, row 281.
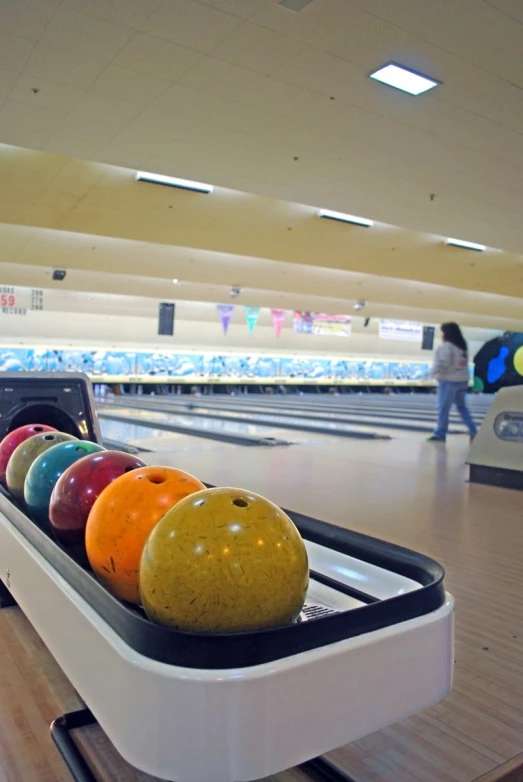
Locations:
column 44, row 473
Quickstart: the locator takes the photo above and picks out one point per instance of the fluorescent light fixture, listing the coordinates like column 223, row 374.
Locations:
column 404, row 79
column 172, row 181
column 343, row 218
column 176, row 282
column 467, row 245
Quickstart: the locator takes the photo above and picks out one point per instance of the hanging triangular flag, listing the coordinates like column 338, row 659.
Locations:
column 225, row 312
column 251, row 316
column 278, row 319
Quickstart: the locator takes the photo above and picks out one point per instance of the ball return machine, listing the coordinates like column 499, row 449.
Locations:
column 374, row 643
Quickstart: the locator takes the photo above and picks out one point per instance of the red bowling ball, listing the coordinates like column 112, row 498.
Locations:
column 12, row 440
column 77, row 489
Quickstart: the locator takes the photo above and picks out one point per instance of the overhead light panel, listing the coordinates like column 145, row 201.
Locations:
column 404, row 79
column 466, row 245
column 171, row 181
column 343, row 218
column 176, row 282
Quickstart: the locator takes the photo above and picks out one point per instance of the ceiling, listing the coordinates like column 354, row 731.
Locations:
column 275, row 108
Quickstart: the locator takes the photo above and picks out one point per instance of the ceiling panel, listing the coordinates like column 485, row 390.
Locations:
column 232, row 91
column 128, row 85
column 26, row 18
column 257, row 48
column 190, row 24
column 152, row 55
column 242, row 8
column 85, row 34
column 131, row 13
column 61, row 66
column 14, row 50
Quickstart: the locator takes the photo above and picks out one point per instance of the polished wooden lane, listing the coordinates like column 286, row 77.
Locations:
column 415, row 493
column 406, row 491
column 33, row 691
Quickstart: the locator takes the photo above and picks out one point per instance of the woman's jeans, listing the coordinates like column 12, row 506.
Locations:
column 449, row 393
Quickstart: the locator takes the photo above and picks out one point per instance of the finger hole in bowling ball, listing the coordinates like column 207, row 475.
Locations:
column 79, row 450
column 129, row 469
column 38, row 429
column 49, row 437
column 240, row 503
column 156, row 479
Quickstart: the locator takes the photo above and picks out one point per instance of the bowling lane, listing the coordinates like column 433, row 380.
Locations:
column 423, row 415
column 337, row 422
column 210, row 424
column 257, row 425
column 406, row 405
column 155, row 439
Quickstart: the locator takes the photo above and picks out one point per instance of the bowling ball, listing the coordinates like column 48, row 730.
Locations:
column 76, row 491
column 45, row 472
column 122, row 518
column 518, row 360
column 224, row 561
column 13, row 440
column 25, row 454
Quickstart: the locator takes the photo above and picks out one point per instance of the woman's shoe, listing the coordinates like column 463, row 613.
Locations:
column 434, row 439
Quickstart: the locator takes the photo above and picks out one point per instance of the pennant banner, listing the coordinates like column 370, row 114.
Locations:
column 225, row 312
column 278, row 319
column 251, row 316
column 302, row 322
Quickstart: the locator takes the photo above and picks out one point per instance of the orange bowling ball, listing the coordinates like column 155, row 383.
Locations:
column 122, row 518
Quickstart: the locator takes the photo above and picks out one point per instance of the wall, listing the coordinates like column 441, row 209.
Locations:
column 104, row 321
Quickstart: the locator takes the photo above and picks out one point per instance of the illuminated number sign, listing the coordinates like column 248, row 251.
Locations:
column 509, row 427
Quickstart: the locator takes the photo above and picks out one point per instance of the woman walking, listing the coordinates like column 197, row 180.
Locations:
column 451, row 371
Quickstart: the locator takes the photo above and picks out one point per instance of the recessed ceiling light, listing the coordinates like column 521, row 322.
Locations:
column 343, row 218
column 404, row 79
column 176, row 282
column 170, row 181
column 467, row 245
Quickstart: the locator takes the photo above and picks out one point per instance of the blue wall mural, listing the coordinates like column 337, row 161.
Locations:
column 137, row 366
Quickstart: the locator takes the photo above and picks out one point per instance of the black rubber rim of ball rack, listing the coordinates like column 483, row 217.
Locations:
column 223, row 651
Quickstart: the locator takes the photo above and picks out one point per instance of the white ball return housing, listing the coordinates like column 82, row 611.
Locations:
column 374, row 646
column 496, row 454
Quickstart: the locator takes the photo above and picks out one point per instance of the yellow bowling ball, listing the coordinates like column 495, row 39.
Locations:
column 518, row 360
column 224, row 561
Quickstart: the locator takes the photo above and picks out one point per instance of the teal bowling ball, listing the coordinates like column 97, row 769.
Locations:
column 45, row 472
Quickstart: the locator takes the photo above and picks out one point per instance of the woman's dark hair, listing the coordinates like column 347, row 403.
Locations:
column 452, row 333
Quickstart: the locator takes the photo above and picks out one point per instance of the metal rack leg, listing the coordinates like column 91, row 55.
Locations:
column 6, row 598
column 60, row 733
column 322, row 770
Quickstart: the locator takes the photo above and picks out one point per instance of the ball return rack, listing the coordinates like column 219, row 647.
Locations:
column 374, row 645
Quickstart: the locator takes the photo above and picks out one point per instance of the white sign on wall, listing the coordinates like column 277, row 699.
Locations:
column 17, row 301
column 401, row 329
